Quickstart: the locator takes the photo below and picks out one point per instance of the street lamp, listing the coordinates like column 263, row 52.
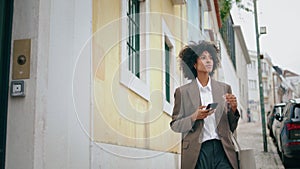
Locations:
column 261, row 95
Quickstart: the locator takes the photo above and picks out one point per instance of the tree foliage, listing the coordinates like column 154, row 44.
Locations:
column 226, row 5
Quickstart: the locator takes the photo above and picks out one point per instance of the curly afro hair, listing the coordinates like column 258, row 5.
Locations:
column 190, row 53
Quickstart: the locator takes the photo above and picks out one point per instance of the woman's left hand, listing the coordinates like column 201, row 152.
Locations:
column 231, row 100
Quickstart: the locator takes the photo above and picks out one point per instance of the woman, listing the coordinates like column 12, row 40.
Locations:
column 206, row 133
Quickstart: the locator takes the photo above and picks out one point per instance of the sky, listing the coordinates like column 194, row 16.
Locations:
column 282, row 41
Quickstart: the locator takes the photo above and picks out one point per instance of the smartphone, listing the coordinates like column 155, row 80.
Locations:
column 211, row 106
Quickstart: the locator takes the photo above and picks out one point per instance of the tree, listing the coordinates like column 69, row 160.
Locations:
column 226, row 5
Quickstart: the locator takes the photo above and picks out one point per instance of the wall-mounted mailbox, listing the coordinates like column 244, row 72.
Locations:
column 21, row 59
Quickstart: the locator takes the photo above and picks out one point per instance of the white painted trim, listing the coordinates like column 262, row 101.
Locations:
column 168, row 33
column 147, row 40
column 139, row 86
column 240, row 37
column 202, row 17
column 167, row 107
column 135, row 84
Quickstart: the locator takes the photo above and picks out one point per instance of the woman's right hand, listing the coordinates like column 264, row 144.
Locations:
column 201, row 113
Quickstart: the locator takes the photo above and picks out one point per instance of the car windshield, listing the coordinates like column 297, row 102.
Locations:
column 278, row 110
column 296, row 115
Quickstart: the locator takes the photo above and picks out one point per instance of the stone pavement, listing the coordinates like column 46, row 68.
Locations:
column 249, row 135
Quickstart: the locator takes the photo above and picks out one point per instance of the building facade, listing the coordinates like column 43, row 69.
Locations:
column 99, row 77
column 135, row 75
column 253, row 83
column 242, row 61
column 286, row 85
column 293, row 79
column 234, row 58
column 253, row 89
column 267, row 81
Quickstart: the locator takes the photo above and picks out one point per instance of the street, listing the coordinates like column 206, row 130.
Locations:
column 249, row 135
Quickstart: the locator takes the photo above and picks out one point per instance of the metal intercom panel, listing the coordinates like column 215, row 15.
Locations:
column 21, row 59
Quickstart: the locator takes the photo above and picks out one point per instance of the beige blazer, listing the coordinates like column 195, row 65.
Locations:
column 187, row 100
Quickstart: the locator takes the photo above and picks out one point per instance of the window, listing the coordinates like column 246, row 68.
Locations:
column 134, row 60
column 169, row 68
column 265, row 88
column 252, row 65
column 286, row 110
column 296, row 115
column 167, row 72
column 278, row 110
column 252, row 84
column 133, row 41
column 195, row 20
column 263, row 67
column 227, row 33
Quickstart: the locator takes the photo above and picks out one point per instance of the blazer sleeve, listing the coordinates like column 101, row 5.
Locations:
column 180, row 123
column 233, row 117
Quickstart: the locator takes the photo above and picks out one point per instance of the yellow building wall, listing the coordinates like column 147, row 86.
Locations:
column 113, row 102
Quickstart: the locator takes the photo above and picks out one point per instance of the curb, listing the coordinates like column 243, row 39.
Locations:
column 273, row 150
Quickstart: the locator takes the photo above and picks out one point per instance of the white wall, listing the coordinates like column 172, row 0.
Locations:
column 242, row 75
column 44, row 129
column 227, row 72
column 66, row 143
column 109, row 156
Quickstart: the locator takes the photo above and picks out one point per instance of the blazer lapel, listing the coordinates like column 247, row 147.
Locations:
column 194, row 94
column 217, row 93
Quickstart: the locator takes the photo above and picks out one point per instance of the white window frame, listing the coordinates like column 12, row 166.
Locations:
column 253, row 64
column 140, row 86
column 169, row 39
column 201, row 17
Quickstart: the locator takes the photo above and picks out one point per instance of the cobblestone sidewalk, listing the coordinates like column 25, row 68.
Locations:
column 249, row 135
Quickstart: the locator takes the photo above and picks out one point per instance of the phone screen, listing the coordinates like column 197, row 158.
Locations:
column 212, row 106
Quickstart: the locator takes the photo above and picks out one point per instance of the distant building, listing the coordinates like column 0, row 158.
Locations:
column 267, row 83
column 287, row 85
column 294, row 80
column 254, row 101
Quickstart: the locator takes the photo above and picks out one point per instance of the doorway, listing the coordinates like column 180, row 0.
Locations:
column 6, row 15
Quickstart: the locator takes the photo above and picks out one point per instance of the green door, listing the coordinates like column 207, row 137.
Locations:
column 6, row 13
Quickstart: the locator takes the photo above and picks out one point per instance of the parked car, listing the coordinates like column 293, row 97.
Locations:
column 276, row 126
column 277, row 109
column 289, row 132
